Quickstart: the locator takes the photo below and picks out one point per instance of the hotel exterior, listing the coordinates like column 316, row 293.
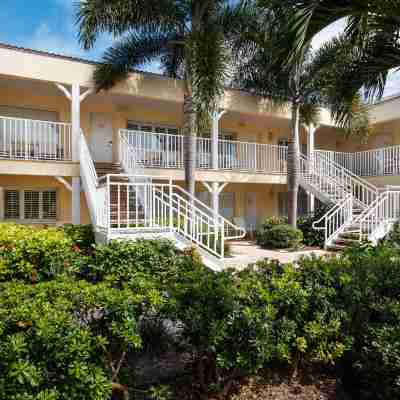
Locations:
column 115, row 159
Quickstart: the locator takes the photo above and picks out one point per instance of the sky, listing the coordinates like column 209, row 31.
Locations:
column 49, row 25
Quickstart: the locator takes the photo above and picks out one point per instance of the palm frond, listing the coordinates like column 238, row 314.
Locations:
column 94, row 17
column 134, row 50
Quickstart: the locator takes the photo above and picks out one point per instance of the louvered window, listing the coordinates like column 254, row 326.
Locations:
column 31, row 205
column 11, row 204
column 49, row 204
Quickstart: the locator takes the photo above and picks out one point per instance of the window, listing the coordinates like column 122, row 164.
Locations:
column 11, row 204
column 138, row 126
column 31, row 205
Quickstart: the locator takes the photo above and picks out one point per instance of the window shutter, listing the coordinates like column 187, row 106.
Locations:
column 49, row 205
column 11, row 204
column 31, row 204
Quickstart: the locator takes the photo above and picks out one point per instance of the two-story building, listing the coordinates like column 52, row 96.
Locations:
column 55, row 129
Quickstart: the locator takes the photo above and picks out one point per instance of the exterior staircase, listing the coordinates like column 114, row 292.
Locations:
column 103, row 168
column 125, row 204
column 360, row 211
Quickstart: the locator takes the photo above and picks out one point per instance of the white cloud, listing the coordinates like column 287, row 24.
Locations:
column 45, row 39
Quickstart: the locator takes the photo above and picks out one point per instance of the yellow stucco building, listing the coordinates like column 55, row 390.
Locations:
column 47, row 100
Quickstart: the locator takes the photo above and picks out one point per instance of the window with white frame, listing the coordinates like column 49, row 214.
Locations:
column 30, row 205
column 156, row 128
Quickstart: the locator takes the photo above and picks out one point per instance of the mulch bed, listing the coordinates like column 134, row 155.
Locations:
column 308, row 385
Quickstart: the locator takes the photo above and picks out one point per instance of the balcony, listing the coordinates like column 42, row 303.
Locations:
column 160, row 150
column 378, row 162
column 26, row 139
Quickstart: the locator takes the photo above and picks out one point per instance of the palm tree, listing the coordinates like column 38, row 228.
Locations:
column 373, row 27
column 188, row 37
column 305, row 83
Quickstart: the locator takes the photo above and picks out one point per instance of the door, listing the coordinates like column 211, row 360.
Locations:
column 101, row 137
column 226, row 205
column 251, row 210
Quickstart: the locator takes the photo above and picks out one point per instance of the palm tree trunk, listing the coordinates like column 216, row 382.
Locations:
column 190, row 142
column 294, row 164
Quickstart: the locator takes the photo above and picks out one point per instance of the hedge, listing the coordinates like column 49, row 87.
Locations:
column 79, row 332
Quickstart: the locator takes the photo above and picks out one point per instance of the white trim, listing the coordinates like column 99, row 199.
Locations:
column 64, row 90
column 64, row 182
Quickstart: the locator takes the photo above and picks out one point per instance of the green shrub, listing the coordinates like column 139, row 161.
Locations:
column 125, row 262
column 32, row 255
column 266, row 226
column 393, row 238
column 82, row 236
column 281, row 237
column 313, row 237
column 57, row 339
column 60, row 337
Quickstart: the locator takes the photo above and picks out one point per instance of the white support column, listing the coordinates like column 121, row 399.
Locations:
column 76, row 120
column 215, row 189
column 216, row 116
column 310, row 155
column 76, row 201
column 75, row 96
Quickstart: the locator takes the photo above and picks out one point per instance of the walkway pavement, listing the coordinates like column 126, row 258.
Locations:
column 247, row 252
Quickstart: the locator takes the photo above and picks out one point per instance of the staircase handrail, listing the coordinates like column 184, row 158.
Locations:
column 89, row 177
column 128, row 149
column 378, row 212
column 191, row 233
column 226, row 222
column 333, row 224
column 345, row 173
column 328, row 179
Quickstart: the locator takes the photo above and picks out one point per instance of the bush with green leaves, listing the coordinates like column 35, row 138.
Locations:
column 75, row 332
column 266, row 226
column 125, row 262
column 31, row 255
column 82, row 236
column 393, row 237
column 281, row 236
column 313, row 237
column 64, row 339
column 372, row 298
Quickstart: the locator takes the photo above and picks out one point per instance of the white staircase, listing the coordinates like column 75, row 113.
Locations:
column 359, row 209
column 131, row 206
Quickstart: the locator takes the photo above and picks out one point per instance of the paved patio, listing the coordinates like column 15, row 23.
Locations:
column 246, row 252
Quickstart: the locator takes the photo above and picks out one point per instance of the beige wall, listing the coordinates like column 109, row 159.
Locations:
column 266, row 197
column 42, row 182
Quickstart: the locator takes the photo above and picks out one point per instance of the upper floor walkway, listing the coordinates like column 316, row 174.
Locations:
column 51, row 143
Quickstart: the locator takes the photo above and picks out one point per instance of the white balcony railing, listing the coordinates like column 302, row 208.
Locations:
column 377, row 162
column 27, row 139
column 160, row 150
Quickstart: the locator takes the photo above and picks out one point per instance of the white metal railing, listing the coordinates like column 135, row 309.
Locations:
column 160, row 150
column 27, row 139
column 376, row 221
column 364, row 193
column 96, row 196
column 376, row 162
column 146, row 205
column 314, row 175
column 336, row 219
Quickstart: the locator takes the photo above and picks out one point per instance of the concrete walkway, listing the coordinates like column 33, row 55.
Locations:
column 247, row 252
